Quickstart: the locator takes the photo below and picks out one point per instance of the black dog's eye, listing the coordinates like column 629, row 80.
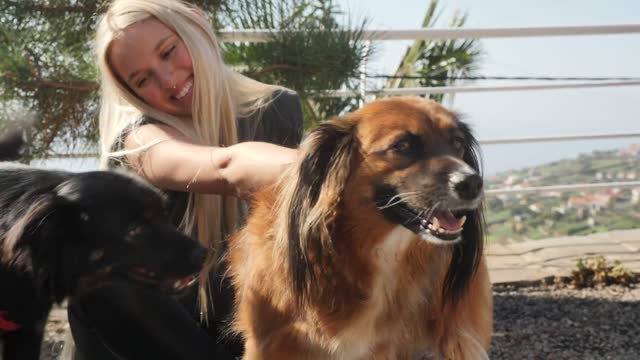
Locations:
column 133, row 233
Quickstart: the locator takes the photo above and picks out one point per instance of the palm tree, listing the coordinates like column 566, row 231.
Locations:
column 47, row 72
column 309, row 52
column 429, row 63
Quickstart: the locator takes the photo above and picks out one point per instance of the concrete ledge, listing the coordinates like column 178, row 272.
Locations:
column 535, row 259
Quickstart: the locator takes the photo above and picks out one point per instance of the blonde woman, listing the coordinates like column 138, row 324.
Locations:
column 172, row 111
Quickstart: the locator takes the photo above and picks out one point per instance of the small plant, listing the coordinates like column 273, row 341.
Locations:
column 595, row 271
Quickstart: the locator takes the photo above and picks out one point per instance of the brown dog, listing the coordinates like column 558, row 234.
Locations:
column 360, row 252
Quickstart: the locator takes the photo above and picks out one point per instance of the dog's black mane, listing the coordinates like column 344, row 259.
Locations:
column 468, row 253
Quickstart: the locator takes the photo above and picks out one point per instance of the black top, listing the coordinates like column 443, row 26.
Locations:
column 281, row 123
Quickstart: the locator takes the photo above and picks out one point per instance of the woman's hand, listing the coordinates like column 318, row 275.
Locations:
column 250, row 166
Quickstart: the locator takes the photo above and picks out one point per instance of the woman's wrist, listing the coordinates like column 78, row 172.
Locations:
column 249, row 166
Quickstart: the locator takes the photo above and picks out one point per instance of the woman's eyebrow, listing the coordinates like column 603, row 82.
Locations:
column 158, row 46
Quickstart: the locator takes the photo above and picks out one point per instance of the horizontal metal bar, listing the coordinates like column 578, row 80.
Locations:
column 482, row 142
column 471, row 89
column 558, row 138
column 68, row 156
column 564, row 188
column 264, row 35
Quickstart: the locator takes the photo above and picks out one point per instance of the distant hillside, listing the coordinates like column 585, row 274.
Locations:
column 543, row 215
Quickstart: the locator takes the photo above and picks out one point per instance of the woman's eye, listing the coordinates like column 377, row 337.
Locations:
column 166, row 54
column 141, row 82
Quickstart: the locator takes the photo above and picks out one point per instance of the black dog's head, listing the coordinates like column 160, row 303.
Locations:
column 95, row 225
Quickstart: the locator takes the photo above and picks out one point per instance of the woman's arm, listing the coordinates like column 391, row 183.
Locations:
column 174, row 163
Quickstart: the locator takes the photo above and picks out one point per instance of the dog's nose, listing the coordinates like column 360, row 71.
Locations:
column 469, row 188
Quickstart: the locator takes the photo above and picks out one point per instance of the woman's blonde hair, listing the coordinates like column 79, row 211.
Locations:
column 220, row 96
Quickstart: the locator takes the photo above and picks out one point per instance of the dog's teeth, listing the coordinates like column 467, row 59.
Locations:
column 462, row 220
column 435, row 224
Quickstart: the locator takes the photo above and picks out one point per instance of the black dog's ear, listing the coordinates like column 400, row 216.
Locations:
column 313, row 195
column 37, row 242
column 16, row 248
column 467, row 253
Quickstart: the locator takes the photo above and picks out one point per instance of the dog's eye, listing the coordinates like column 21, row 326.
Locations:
column 458, row 144
column 404, row 145
column 133, row 233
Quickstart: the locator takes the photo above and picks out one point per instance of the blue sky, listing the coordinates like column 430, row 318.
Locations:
column 532, row 113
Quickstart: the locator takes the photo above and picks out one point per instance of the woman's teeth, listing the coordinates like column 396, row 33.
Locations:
column 184, row 90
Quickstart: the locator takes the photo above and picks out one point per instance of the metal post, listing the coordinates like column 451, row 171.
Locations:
column 363, row 74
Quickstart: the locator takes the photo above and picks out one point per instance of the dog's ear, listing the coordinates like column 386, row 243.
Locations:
column 467, row 253
column 312, row 196
column 16, row 248
column 37, row 242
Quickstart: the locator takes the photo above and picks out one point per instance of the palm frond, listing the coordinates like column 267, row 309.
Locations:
column 437, row 61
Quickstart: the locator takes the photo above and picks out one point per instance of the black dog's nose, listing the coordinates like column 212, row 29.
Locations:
column 470, row 187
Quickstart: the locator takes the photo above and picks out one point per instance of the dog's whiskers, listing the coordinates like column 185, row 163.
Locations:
column 399, row 199
column 432, row 209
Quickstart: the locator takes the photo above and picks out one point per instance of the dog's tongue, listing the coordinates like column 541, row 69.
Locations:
column 447, row 221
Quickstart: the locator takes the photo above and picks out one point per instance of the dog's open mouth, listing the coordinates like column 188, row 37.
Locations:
column 443, row 224
column 433, row 223
column 145, row 276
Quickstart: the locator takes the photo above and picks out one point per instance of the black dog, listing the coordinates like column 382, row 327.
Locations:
column 62, row 233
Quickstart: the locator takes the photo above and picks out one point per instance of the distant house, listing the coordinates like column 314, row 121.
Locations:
column 635, row 196
column 510, row 180
column 621, row 203
column 631, row 150
column 551, row 194
column 592, row 202
column 536, row 207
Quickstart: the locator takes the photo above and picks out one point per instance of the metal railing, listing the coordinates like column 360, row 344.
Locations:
column 263, row 35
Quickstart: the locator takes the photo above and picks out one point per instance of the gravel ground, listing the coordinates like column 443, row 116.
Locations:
column 549, row 322
column 533, row 322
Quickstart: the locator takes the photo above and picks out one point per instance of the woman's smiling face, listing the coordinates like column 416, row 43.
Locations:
column 155, row 64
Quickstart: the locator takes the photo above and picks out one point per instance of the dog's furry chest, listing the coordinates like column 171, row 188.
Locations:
column 387, row 323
